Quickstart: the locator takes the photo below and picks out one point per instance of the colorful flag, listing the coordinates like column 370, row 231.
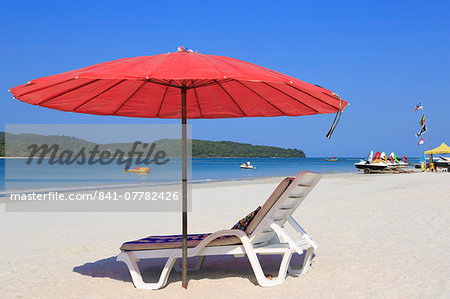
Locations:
column 423, row 158
column 423, row 163
column 423, row 130
column 422, row 120
column 418, row 106
column 420, row 142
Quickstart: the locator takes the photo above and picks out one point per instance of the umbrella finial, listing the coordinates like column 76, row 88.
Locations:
column 183, row 49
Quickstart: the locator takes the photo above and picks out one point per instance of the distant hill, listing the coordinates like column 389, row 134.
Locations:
column 205, row 148
column 18, row 143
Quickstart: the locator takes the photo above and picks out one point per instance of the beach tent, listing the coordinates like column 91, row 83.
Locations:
column 442, row 149
column 181, row 85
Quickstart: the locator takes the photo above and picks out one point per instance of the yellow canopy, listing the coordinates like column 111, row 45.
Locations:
column 442, row 149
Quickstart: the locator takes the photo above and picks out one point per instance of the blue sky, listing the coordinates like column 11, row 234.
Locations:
column 382, row 57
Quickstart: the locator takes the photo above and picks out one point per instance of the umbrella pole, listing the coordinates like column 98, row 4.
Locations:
column 184, row 187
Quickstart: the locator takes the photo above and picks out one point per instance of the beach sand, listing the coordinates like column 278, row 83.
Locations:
column 379, row 236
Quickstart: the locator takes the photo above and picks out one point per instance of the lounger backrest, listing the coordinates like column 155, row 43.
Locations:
column 273, row 198
column 279, row 208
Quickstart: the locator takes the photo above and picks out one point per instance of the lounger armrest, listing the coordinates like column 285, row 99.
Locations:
column 301, row 231
column 284, row 236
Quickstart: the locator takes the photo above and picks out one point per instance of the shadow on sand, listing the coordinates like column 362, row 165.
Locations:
column 214, row 267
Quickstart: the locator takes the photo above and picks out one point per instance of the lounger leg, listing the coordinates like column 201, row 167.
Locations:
column 198, row 265
column 129, row 259
column 256, row 266
column 284, row 266
column 306, row 263
column 307, row 260
column 177, row 266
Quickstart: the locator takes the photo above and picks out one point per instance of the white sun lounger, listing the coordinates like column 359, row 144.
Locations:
column 264, row 235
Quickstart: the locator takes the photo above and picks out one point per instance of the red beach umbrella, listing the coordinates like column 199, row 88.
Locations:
column 183, row 85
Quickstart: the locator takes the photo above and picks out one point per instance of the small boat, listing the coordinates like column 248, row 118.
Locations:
column 372, row 163
column 368, row 167
column 442, row 162
column 247, row 166
column 395, row 162
column 138, row 170
column 332, row 159
column 381, row 162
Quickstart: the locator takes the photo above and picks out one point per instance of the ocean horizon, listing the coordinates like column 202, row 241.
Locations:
column 16, row 176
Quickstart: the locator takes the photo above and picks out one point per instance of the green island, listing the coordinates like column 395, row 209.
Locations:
column 18, row 143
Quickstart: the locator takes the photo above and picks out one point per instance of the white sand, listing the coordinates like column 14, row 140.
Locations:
column 379, row 236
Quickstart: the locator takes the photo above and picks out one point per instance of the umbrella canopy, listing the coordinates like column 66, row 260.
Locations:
column 149, row 86
column 441, row 149
column 182, row 84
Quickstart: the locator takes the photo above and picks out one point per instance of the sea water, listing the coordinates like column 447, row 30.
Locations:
column 22, row 177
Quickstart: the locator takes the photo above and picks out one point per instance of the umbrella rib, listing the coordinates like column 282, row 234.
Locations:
column 124, row 102
column 82, row 104
column 214, row 66
column 214, row 81
column 205, row 82
column 230, row 97
column 199, row 82
column 313, row 96
column 161, row 82
column 42, row 88
column 261, row 97
column 65, row 92
column 175, row 84
column 196, row 96
column 162, row 100
column 291, row 97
